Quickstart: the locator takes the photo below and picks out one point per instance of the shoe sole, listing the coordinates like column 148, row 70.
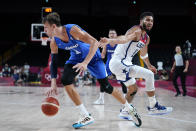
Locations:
column 159, row 113
column 125, row 118
column 77, row 127
column 171, row 109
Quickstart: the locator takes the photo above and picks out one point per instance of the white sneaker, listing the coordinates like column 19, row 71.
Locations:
column 125, row 115
column 159, row 110
column 83, row 121
column 99, row 102
column 134, row 115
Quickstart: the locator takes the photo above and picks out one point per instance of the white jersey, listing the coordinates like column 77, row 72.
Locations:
column 126, row 52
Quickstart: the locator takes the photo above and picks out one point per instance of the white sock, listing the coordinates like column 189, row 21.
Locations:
column 127, row 106
column 152, row 101
column 82, row 110
column 101, row 95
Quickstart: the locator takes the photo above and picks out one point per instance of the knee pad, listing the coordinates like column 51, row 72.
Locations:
column 109, row 89
column 105, row 85
column 67, row 81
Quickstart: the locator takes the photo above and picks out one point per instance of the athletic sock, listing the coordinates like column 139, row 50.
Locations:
column 127, row 106
column 82, row 110
column 101, row 96
column 152, row 101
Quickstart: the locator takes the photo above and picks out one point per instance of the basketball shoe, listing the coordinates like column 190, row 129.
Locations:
column 159, row 110
column 124, row 114
column 131, row 115
column 83, row 121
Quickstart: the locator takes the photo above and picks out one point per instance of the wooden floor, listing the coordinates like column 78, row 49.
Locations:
column 20, row 111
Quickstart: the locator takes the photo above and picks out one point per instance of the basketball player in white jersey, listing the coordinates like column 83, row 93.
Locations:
column 135, row 39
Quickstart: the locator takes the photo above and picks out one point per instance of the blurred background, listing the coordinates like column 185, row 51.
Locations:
column 174, row 24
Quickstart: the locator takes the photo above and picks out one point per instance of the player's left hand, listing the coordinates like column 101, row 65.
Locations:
column 80, row 67
column 103, row 42
column 153, row 69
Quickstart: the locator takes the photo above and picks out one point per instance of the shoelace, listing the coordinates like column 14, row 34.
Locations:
column 83, row 119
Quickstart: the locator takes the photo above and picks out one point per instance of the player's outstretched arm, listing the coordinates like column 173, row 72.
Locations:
column 119, row 40
column 132, row 34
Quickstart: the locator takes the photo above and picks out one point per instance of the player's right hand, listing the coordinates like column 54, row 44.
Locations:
column 52, row 92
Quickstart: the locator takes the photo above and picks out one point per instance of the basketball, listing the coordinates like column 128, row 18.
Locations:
column 50, row 106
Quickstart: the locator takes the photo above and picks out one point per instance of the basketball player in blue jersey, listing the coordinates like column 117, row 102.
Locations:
column 109, row 50
column 84, row 54
column 135, row 39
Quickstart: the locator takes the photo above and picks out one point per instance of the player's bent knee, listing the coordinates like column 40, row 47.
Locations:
column 109, row 89
column 150, row 89
column 66, row 81
column 130, row 82
column 106, row 85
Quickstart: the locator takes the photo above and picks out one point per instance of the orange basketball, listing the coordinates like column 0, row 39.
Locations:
column 50, row 106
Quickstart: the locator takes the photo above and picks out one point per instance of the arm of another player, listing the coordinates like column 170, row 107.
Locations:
column 132, row 34
column 103, row 53
column 144, row 56
column 78, row 34
column 53, row 68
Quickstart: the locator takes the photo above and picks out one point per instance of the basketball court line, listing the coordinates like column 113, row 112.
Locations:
column 154, row 116
column 158, row 116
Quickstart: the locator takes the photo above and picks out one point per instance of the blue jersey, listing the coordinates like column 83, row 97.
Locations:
column 79, row 50
column 110, row 52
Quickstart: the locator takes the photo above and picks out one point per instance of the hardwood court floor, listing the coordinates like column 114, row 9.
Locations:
column 20, row 111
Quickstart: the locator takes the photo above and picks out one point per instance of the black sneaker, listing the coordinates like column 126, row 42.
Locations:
column 184, row 94
column 177, row 94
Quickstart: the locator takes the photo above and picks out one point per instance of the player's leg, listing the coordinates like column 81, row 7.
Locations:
column 68, row 77
column 124, row 89
column 132, row 90
column 175, row 76
column 154, row 107
column 100, row 100
column 98, row 70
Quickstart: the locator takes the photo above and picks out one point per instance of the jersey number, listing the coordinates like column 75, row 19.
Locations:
column 140, row 45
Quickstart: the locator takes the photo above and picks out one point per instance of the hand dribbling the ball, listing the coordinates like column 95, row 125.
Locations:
column 53, row 90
